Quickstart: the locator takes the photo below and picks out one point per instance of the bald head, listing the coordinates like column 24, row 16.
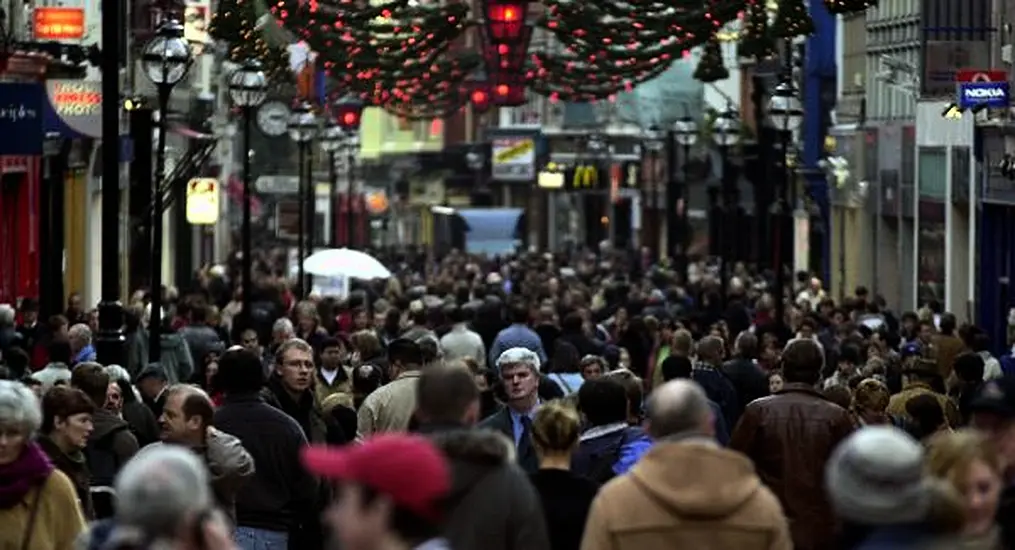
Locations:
column 679, row 406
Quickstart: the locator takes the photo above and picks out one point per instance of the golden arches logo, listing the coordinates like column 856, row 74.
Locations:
column 585, row 177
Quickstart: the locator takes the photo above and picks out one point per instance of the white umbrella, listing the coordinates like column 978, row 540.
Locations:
column 343, row 262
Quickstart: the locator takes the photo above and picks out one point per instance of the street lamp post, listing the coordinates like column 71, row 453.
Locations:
column 685, row 132
column 331, row 141
column 248, row 89
column 165, row 61
column 654, row 144
column 726, row 134
column 785, row 114
column 351, row 146
column 303, row 130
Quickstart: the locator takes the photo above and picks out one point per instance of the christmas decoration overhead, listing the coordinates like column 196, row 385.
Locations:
column 792, row 20
column 756, row 40
column 235, row 23
column 405, row 55
column 711, row 68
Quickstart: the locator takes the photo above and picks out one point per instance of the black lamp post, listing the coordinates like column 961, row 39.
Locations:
column 785, row 113
column 248, row 89
column 109, row 342
column 348, row 114
column 726, row 134
column 303, row 130
column 331, row 141
column 685, row 134
column 165, row 61
column 655, row 142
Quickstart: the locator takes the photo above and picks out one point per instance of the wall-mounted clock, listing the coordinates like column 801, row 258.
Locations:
column 273, row 118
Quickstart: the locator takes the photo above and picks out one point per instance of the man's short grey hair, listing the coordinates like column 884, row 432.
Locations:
column 519, row 356
column 160, row 489
column 82, row 332
column 19, row 408
column 678, row 406
column 116, row 372
column 7, row 315
column 284, row 326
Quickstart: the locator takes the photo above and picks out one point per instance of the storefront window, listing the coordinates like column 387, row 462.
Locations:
column 931, row 236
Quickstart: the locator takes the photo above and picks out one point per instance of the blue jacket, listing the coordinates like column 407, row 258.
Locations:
column 627, row 444
column 896, row 537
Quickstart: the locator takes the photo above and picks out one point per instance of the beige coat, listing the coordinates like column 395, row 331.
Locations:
column 687, row 494
column 390, row 407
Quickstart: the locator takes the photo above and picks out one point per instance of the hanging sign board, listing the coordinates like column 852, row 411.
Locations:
column 51, row 23
column 203, row 201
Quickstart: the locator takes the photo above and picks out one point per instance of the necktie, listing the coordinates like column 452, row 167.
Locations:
column 525, row 441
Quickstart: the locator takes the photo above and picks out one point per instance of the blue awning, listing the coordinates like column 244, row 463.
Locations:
column 491, row 230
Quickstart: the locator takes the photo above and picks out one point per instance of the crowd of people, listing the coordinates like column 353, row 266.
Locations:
column 536, row 402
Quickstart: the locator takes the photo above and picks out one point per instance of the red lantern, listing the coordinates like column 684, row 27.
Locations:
column 480, row 97
column 504, row 57
column 505, row 20
column 508, row 89
column 348, row 114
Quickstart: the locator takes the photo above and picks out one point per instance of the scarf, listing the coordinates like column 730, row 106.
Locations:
column 20, row 476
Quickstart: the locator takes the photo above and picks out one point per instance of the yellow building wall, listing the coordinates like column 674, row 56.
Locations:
column 847, row 237
column 75, row 230
column 384, row 134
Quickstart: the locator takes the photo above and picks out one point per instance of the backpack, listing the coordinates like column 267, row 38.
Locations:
column 103, row 465
column 601, row 470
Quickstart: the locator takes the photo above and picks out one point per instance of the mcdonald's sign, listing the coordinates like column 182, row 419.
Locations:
column 585, row 177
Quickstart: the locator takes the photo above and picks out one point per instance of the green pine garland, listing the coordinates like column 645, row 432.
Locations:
column 791, row 20
column 756, row 39
column 711, row 68
column 235, row 23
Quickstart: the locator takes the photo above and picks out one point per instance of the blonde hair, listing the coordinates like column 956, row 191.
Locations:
column 556, row 428
column 951, row 454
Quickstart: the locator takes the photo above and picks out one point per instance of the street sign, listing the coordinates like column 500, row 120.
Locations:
column 514, row 159
column 980, row 75
column 203, row 201
column 991, row 95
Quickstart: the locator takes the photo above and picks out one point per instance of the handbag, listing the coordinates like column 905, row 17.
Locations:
column 33, row 514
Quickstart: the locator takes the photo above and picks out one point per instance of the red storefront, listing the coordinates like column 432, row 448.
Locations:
column 19, row 189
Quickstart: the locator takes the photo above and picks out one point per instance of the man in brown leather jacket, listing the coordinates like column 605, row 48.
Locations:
column 789, row 436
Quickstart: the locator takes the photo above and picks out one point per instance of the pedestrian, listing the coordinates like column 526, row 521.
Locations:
column 80, row 338
column 186, row 421
column 918, row 378
column 66, row 425
column 609, row 446
column 686, row 492
column 519, row 373
column 57, row 371
column 885, row 500
column 391, row 490
column 565, row 495
column 111, row 443
column 993, row 412
column 152, row 383
column 280, row 496
column 165, row 503
column 39, row 507
column 291, row 388
column 493, row 505
column 969, row 462
column 390, row 407
column 789, row 437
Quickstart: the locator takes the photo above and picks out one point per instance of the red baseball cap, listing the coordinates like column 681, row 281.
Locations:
column 407, row 468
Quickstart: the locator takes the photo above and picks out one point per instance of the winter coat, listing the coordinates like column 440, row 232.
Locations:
column 687, row 493
column 492, row 504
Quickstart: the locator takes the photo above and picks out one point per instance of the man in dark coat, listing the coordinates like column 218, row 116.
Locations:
column 492, row 504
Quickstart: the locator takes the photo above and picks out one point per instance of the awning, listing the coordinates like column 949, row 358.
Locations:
column 491, row 230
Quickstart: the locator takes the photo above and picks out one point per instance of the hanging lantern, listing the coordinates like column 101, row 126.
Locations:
column 506, row 57
column 479, row 96
column 508, row 89
column 348, row 114
column 505, row 20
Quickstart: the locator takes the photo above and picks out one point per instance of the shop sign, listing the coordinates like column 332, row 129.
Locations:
column 78, row 103
column 58, row 23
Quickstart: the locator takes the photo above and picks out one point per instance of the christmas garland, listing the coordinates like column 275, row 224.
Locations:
column 236, row 24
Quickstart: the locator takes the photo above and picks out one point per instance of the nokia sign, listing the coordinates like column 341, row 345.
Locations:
column 983, row 95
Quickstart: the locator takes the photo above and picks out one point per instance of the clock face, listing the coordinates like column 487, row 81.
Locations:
column 273, row 118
